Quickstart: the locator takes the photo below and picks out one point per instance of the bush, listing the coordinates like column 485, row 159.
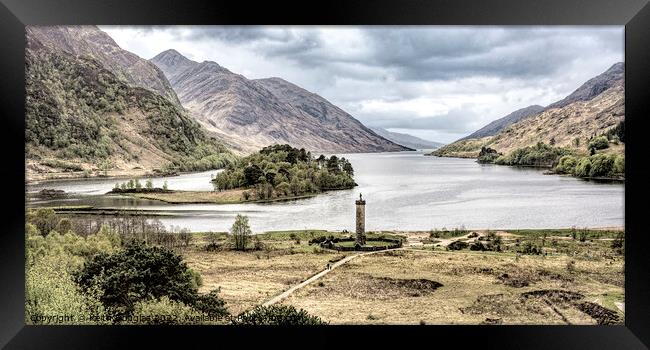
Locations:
column 602, row 165
column 599, row 142
column 138, row 273
column 457, row 245
column 583, row 168
column 541, row 155
column 211, row 304
column 566, row 165
column 277, row 315
column 50, row 291
column 530, row 248
column 488, row 155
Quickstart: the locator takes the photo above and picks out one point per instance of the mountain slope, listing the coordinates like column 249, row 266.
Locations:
column 251, row 114
column 594, row 86
column 407, row 140
column 496, row 126
column 594, row 108
column 89, row 41
column 82, row 119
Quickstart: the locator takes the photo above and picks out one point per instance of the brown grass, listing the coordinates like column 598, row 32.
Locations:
column 177, row 197
column 472, row 289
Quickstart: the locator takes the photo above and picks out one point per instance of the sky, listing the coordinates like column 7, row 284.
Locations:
column 439, row 83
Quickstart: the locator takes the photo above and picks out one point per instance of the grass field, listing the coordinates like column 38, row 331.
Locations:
column 574, row 282
column 214, row 197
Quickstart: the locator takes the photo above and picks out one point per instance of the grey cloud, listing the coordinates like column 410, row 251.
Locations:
column 456, row 121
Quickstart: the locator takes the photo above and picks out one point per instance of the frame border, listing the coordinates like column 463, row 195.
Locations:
column 634, row 14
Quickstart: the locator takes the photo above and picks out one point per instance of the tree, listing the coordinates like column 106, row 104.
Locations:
column 347, row 167
column 138, row 273
column 252, row 174
column 240, row 231
column 165, row 185
column 149, row 184
column 333, row 164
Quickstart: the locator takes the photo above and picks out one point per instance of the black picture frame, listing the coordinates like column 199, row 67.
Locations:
column 634, row 14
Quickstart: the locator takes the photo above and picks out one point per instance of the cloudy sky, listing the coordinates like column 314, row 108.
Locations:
column 438, row 83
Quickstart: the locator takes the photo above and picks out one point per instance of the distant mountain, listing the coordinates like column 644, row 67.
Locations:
column 496, row 126
column 595, row 86
column 251, row 114
column 407, row 140
column 83, row 119
column 91, row 42
column 595, row 107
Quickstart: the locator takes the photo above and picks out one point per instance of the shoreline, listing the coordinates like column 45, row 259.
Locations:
column 547, row 170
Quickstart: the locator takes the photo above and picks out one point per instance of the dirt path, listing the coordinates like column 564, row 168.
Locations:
column 315, row 277
column 447, row 241
column 411, row 241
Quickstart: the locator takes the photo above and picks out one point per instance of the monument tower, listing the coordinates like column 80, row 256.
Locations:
column 361, row 221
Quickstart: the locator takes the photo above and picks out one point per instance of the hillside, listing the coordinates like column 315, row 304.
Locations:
column 496, row 126
column 89, row 41
column 82, row 120
column 251, row 114
column 407, row 140
column 593, row 109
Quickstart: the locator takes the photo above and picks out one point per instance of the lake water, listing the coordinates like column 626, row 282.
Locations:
column 403, row 191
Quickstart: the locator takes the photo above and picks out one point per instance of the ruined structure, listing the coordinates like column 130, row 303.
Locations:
column 361, row 221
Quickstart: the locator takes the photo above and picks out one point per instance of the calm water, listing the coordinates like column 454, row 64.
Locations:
column 405, row 191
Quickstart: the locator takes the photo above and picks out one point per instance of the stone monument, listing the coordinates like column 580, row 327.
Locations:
column 361, row 221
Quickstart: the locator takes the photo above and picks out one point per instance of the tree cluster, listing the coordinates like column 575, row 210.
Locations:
column 282, row 171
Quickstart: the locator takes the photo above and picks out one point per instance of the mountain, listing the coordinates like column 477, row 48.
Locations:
column 407, row 140
column 496, row 126
column 250, row 114
column 82, row 118
column 595, row 86
column 594, row 108
column 90, row 41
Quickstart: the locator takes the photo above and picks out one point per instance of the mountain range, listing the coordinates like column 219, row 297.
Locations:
column 407, row 140
column 592, row 109
column 249, row 114
column 96, row 108
column 93, row 109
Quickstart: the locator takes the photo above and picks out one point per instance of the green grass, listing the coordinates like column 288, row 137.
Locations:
column 304, row 235
column 566, row 232
column 368, row 243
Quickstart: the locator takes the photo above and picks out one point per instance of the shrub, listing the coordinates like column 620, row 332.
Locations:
column 457, row 245
column 280, row 315
column 599, row 142
column 211, row 304
column 530, row 248
column 566, row 165
column 583, row 168
column 138, row 273
column 619, row 165
column 602, row 165
column 50, row 291
column 487, row 155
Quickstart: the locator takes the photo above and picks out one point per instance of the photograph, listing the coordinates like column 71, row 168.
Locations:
column 290, row 175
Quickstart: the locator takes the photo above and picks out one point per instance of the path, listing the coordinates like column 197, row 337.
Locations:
column 447, row 241
column 410, row 242
column 313, row 278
